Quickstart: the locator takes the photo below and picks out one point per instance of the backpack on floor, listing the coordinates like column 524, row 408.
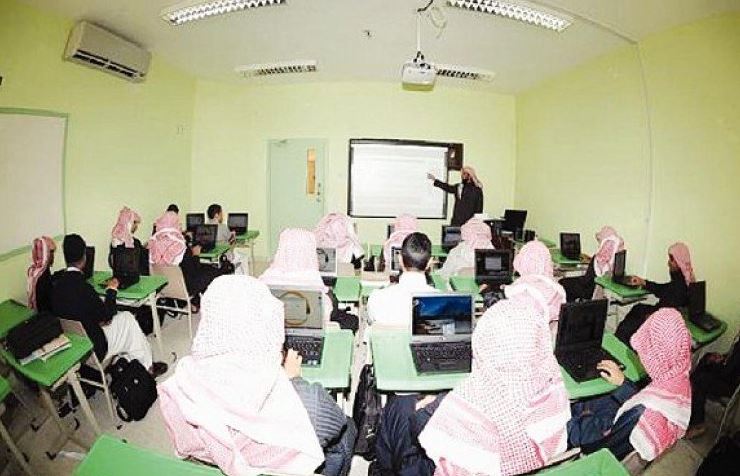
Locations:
column 366, row 412
column 133, row 387
column 723, row 459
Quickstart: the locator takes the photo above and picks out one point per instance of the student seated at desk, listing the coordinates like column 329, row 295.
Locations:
column 215, row 216
column 122, row 235
column 507, row 417
column 403, row 226
column 648, row 420
column 674, row 293
column 536, row 285
column 232, row 404
column 38, row 287
column 475, row 235
column 335, row 230
column 168, row 247
column 602, row 263
column 391, row 306
column 112, row 333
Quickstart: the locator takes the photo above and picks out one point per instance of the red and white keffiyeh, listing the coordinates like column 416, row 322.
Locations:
column 230, row 402
column 476, row 235
column 42, row 254
column 167, row 246
column 121, row 233
column 403, row 226
column 509, row 416
column 335, row 230
column 610, row 243
column 663, row 344
column 682, row 257
column 295, row 262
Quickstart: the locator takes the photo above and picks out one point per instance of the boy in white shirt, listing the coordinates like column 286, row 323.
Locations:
column 216, row 217
column 391, row 306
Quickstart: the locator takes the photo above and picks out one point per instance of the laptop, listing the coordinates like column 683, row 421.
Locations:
column 493, row 267
column 441, row 330
column 570, row 245
column 578, row 343
column 391, row 229
column 451, row 236
column 698, row 307
column 304, row 323
column 514, row 220
column 89, row 268
column 618, row 276
column 495, row 225
column 237, row 222
column 529, row 235
column 327, row 265
column 125, row 265
column 205, row 236
column 193, row 220
column 395, row 261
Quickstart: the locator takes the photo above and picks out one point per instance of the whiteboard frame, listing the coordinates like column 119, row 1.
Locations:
column 352, row 142
column 43, row 113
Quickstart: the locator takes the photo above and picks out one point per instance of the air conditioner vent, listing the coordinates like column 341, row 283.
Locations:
column 271, row 69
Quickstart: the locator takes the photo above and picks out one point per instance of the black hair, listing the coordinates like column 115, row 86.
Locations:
column 74, row 249
column 173, row 208
column 213, row 210
column 416, row 251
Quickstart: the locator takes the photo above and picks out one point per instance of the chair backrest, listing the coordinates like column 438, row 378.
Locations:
column 73, row 327
column 634, row 464
column 175, row 288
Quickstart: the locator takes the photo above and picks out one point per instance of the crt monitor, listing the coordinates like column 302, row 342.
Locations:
column 395, row 260
column 493, row 264
column 514, row 220
column 192, row 220
column 237, row 222
column 581, row 325
column 125, row 261
column 442, row 315
column 451, row 236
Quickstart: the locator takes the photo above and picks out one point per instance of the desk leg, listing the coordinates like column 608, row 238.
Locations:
column 251, row 255
column 66, row 434
column 75, row 383
column 155, row 322
column 13, row 448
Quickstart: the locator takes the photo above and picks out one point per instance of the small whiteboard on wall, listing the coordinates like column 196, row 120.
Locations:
column 389, row 177
column 32, row 145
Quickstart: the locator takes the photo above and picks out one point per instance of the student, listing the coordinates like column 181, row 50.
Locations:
column 536, row 284
column 335, row 230
column 674, row 293
column 507, row 417
column 602, row 263
column 232, row 404
column 716, row 376
column 391, row 306
column 39, row 280
column 648, row 420
column 112, row 333
column 216, row 217
column 468, row 195
column 122, row 236
column 475, row 235
column 168, row 247
column 403, row 226
column 172, row 207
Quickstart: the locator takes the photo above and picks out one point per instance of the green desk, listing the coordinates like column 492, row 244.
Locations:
column 546, row 242
column 12, row 313
column 601, row 463
column 142, row 293
column 633, row 371
column 112, row 457
column 624, row 292
column 215, row 253
column 4, row 389
column 51, row 374
column 247, row 240
column 466, row 284
column 347, row 289
column 560, row 260
column 336, row 361
column 438, row 252
column 440, row 283
column 9, row 443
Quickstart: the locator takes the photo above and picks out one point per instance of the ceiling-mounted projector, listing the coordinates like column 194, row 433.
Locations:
column 417, row 72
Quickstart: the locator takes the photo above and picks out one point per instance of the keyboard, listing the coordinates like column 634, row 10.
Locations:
column 330, row 281
column 435, row 357
column 705, row 322
column 582, row 365
column 309, row 347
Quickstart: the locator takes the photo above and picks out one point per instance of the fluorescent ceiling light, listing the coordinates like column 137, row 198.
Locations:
column 517, row 10
column 197, row 10
column 282, row 67
column 464, row 72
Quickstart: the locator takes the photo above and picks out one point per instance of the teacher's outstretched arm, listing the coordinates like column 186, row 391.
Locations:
column 443, row 185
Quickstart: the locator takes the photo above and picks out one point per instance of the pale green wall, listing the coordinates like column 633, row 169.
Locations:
column 123, row 144
column 233, row 123
column 592, row 122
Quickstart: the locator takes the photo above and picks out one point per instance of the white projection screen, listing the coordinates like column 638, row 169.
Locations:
column 389, row 177
column 31, row 177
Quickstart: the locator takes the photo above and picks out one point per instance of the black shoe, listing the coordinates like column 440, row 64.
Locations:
column 158, row 368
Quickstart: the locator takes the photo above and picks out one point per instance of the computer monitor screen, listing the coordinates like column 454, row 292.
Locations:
column 581, row 324
column 89, row 268
column 125, row 261
column 327, row 260
column 493, row 264
column 620, row 263
column 495, row 225
column 238, row 222
column 303, row 309
column 192, row 220
column 206, row 234
column 570, row 244
column 698, row 298
column 442, row 315
column 514, row 220
column 395, row 259
column 451, row 235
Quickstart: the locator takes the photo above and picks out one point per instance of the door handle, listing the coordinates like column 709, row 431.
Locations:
column 318, row 192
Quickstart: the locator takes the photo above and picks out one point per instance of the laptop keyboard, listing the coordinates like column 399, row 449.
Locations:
column 582, row 365
column 309, row 347
column 442, row 356
column 705, row 322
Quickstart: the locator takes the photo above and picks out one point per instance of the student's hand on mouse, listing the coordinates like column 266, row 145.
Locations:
column 292, row 364
column 636, row 281
column 112, row 284
column 611, row 372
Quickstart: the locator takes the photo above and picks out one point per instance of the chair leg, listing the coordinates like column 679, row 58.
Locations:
column 14, row 449
column 190, row 320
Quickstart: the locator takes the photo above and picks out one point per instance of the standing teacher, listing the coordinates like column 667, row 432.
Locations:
column 468, row 195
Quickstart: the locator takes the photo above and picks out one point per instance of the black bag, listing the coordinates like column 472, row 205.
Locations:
column 723, row 459
column 343, row 317
column 366, row 412
column 133, row 387
column 34, row 333
column 225, row 265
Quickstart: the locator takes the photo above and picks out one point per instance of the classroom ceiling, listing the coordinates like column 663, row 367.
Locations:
column 334, row 32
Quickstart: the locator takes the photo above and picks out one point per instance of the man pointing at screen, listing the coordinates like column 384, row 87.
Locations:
column 468, row 195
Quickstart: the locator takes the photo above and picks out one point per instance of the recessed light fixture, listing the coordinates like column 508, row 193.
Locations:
column 197, row 10
column 464, row 72
column 519, row 10
column 282, row 67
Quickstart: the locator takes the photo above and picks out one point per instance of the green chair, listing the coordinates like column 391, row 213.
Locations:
column 19, row 457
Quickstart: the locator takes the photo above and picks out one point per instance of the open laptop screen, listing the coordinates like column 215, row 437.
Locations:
column 451, row 236
column 395, row 260
column 238, row 221
column 303, row 309
column 698, row 298
column 570, row 244
column 206, row 234
column 514, row 220
column 620, row 262
column 192, row 220
column 125, row 261
column 581, row 325
column 493, row 264
column 442, row 315
column 327, row 261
